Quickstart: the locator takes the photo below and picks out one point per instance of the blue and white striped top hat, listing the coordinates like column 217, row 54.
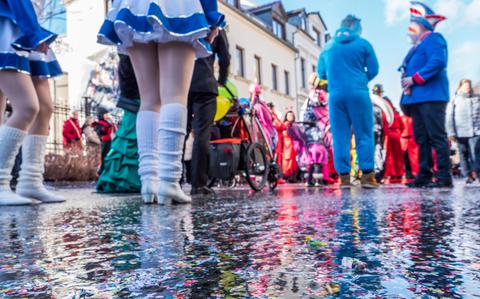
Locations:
column 421, row 13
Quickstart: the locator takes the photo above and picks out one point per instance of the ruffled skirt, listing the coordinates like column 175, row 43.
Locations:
column 160, row 21
column 32, row 63
column 120, row 173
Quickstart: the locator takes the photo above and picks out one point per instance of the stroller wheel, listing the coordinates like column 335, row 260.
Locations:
column 257, row 167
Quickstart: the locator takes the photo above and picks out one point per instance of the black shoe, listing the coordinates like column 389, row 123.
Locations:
column 441, row 184
column 203, row 192
column 310, row 184
column 419, row 183
column 470, row 180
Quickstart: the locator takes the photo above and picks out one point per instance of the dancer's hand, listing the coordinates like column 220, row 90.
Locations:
column 213, row 34
column 407, row 82
column 43, row 48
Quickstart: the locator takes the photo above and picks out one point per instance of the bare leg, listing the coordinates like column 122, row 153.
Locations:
column 3, row 106
column 30, row 181
column 176, row 61
column 19, row 89
column 145, row 63
column 41, row 124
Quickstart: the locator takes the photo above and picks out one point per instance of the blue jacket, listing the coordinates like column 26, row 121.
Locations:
column 348, row 62
column 22, row 13
column 427, row 64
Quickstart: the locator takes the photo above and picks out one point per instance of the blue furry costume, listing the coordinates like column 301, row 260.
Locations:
column 349, row 62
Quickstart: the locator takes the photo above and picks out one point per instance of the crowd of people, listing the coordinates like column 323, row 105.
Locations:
column 95, row 135
column 304, row 149
column 169, row 88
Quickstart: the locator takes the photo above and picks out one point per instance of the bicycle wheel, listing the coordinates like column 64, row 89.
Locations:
column 257, row 167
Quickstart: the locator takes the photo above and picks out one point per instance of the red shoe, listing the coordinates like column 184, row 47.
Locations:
column 281, row 181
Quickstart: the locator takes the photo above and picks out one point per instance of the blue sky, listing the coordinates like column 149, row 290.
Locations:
column 385, row 24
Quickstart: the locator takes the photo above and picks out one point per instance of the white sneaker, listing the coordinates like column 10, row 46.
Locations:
column 148, row 160
column 9, row 198
column 149, row 191
column 30, row 181
column 169, row 192
column 10, row 141
column 39, row 192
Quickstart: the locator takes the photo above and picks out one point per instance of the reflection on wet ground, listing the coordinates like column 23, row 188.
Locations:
column 295, row 243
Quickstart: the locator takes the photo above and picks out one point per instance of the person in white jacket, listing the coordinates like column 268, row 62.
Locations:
column 463, row 127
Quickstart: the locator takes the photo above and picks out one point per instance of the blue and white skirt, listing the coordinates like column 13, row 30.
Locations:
column 33, row 63
column 160, row 21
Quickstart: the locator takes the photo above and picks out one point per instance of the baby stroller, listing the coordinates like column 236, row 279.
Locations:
column 245, row 148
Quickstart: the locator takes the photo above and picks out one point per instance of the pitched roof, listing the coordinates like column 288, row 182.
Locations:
column 267, row 7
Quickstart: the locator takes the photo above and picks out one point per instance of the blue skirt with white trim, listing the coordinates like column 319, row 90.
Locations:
column 160, row 21
column 33, row 63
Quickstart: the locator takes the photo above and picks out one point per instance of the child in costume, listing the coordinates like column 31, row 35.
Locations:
column 394, row 164
column 290, row 148
column 317, row 131
column 348, row 63
column 162, row 39
column 26, row 63
column 279, row 127
column 383, row 118
column 426, row 94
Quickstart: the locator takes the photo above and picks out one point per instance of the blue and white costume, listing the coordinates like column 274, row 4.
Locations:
column 160, row 21
column 20, row 35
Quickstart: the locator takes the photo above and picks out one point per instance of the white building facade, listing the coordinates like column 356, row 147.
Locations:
column 260, row 56
column 284, row 46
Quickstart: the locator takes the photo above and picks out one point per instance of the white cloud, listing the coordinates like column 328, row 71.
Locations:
column 472, row 15
column 452, row 9
column 396, row 11
column 465, row 62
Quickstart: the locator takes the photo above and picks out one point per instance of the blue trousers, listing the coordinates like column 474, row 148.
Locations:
column 353, row 109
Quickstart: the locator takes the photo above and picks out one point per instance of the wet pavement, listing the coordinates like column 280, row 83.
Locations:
column 294, row 243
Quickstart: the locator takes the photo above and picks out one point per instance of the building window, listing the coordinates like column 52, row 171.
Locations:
column 327, row 37
column 302, row 73
column 278, row 29
column 317, row 36
column 239, row 62
column 303, row 23
column 274, row 77
column 258, row 69
column 287, row 83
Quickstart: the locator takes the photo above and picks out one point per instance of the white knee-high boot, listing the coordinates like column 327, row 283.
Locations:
column 171, row 138
column 30, row 181
column 147, row 140
column 10, row 142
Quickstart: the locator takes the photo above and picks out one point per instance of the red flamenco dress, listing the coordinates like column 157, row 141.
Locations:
column 394, row 163
column 289, row 155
